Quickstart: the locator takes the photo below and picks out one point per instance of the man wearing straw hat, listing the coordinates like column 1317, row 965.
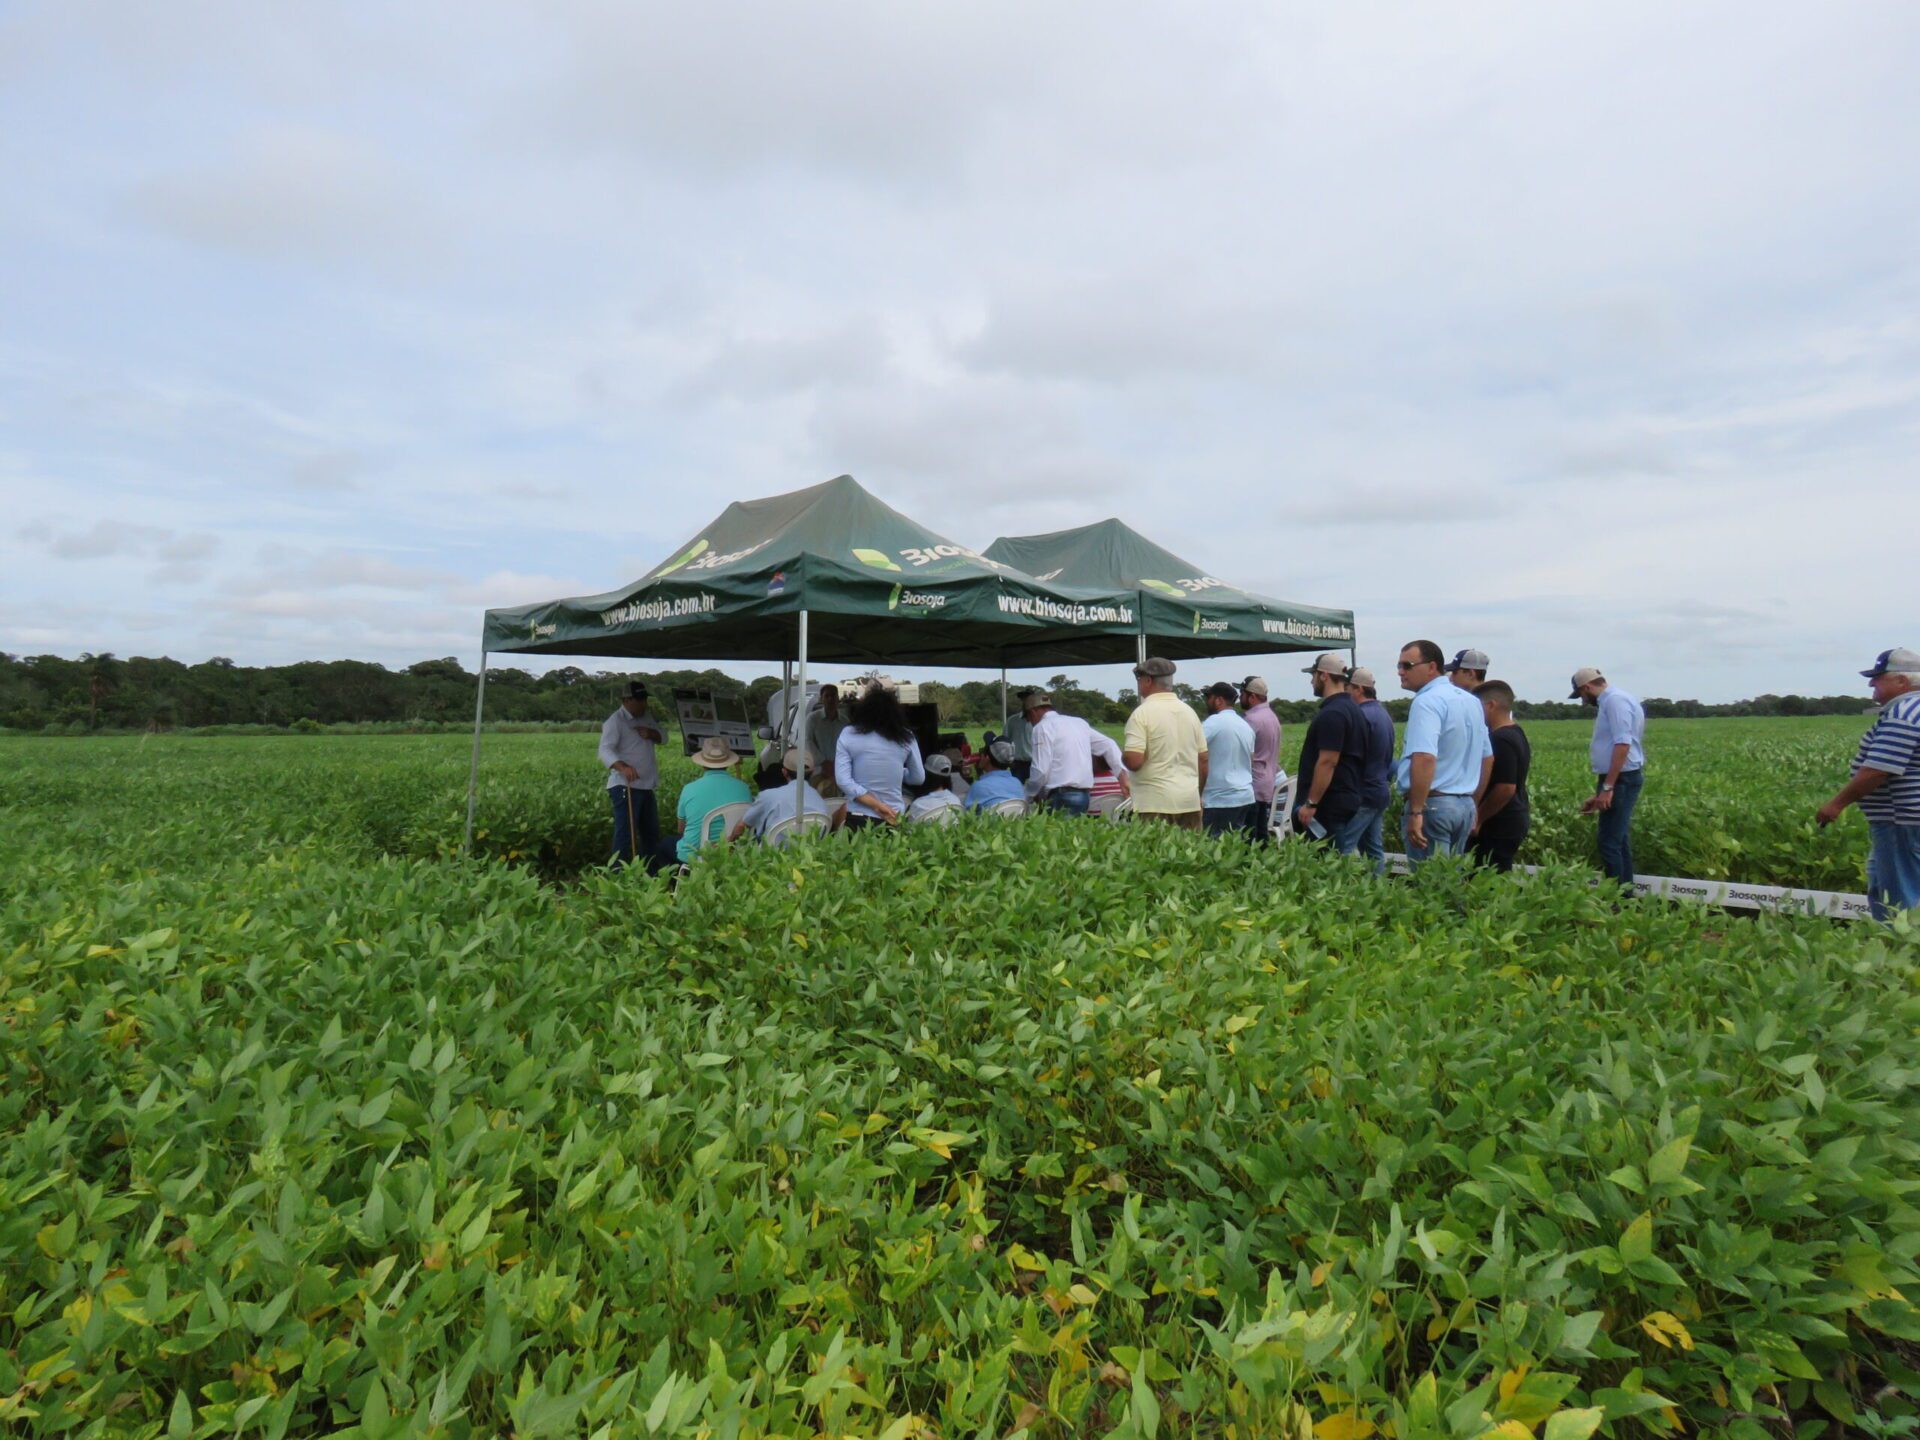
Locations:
column 626, row 749
column 699, row 798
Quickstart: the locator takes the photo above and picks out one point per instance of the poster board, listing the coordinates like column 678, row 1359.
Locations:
column 701, row 715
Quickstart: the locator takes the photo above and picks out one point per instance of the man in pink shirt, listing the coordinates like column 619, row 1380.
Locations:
column 1266, row 750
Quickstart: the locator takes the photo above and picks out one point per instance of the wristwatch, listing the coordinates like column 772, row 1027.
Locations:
column 1605, row 788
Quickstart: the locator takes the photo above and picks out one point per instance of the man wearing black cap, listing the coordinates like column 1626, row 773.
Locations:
column 626, row 749
column 1886, row 785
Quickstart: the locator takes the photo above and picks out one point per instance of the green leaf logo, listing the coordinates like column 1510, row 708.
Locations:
column 1196, row 622
column 691, row 553
column 879, row 559
column 893, row 600
column 1164, row 588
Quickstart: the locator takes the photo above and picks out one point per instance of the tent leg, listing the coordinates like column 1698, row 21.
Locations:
column 1003, row 699
column 800, row 789
column 473, row 769
column 1142, row 648
column 786, row 707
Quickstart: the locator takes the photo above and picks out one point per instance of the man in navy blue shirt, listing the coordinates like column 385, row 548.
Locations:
column 1367, row 830
column 1327, row 791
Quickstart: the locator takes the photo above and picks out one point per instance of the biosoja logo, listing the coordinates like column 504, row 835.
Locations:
column 1202, row 625
column 904, row 599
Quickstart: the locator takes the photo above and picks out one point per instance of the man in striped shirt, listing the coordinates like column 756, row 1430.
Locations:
column 1886, row 785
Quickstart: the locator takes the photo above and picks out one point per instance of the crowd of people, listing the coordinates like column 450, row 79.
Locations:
column 1461, row 768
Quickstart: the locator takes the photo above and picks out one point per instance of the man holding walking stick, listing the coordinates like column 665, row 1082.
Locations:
column 633, row 774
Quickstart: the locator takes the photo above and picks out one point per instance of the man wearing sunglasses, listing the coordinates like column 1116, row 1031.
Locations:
column 1449, row 755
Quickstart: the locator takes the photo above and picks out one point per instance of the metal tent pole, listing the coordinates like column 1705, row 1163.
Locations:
column 1003, row 699
column 786, row 708
column 473, row 769
column 800, row 786
column 1142, row 658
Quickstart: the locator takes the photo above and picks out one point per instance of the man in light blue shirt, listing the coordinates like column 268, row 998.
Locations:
column 1448, row 755
column 1619, row 759
column 776, row 802
column 1227, row 799
column 997, row 781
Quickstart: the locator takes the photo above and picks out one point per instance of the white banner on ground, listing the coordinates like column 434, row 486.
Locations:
column 1731, row 894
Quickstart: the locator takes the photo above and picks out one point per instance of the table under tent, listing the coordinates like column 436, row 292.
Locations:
column 831, row 574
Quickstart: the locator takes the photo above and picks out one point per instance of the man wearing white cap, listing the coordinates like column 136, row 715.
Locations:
column 936, row 792
column 1619, row 759
column 1886, row 785
column 775, row 803
column 1266, row 751
column 1468, row 668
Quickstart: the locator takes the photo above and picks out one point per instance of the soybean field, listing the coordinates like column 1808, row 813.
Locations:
column 1049, row 1128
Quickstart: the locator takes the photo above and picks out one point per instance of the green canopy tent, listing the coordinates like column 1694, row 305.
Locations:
column 1185, row 613
column 825, row 573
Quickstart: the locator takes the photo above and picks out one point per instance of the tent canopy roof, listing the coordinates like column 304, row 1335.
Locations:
column 878, row 588
column 1188, row 613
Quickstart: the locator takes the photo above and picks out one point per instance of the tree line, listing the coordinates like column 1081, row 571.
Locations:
column 50, row 693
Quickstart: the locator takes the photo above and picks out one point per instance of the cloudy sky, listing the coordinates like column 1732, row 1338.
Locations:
column 1587, row 334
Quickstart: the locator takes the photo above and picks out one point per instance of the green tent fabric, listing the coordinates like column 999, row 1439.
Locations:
column 877, row 588
column 1187, row 614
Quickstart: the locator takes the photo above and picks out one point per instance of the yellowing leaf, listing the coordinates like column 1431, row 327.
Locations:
column 1506, row 1430
column 1237, row 1023
column 1344, row 1426
column 1321, row 1271
column 1510, row 1381
column 1665, row 1327
column 1636, row 1241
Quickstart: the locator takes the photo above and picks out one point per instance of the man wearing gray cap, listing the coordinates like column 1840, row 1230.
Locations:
column 1619, row 759
column 775, row 803
column 1266, row 751
column 1165, row 749
column 996, row 781
column 1327, row 785
column 1468, row 668
column 1369, row 824
column 1886, row 785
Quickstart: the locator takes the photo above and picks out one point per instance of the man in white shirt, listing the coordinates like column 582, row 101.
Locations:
column 633, row 774
column 1063, row 751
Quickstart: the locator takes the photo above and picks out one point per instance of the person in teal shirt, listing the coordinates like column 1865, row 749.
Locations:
column 699, row 798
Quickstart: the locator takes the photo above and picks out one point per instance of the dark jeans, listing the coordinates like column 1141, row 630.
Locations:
column 1616, row 826
column 633, row 810
column 865, row 822
column 1227, row 819
column 1496, row 851
column 1262, row 822
column 1069, row 802
column 665, row 855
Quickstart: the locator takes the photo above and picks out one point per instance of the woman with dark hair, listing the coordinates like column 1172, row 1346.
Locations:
column 876, row 759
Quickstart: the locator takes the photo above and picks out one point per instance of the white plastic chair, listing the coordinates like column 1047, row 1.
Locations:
column 783, row 832
column 1107, row 803
column 1012, row 808
column 1280, row 816
column 1120, row 811
column 719, row 821
column 945, row 815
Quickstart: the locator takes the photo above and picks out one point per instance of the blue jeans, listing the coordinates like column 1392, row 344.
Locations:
column 644, row 816
column 1893, row 868
column 1228, row 819
column 1449, row 825
column 1069, row 802
column 1363, row 832
column 1616, row 826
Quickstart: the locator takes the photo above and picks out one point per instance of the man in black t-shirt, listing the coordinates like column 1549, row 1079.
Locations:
column 1328, row 782
column 1500, row 823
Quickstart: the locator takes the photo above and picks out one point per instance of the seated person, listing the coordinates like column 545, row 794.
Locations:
column 997, row 781
column 1105, row 782
column 936, row 792
column 775, row 803
column 957, row 754
column 699, row 798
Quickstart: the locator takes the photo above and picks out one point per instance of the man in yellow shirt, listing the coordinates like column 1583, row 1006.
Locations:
column 1165, row 749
